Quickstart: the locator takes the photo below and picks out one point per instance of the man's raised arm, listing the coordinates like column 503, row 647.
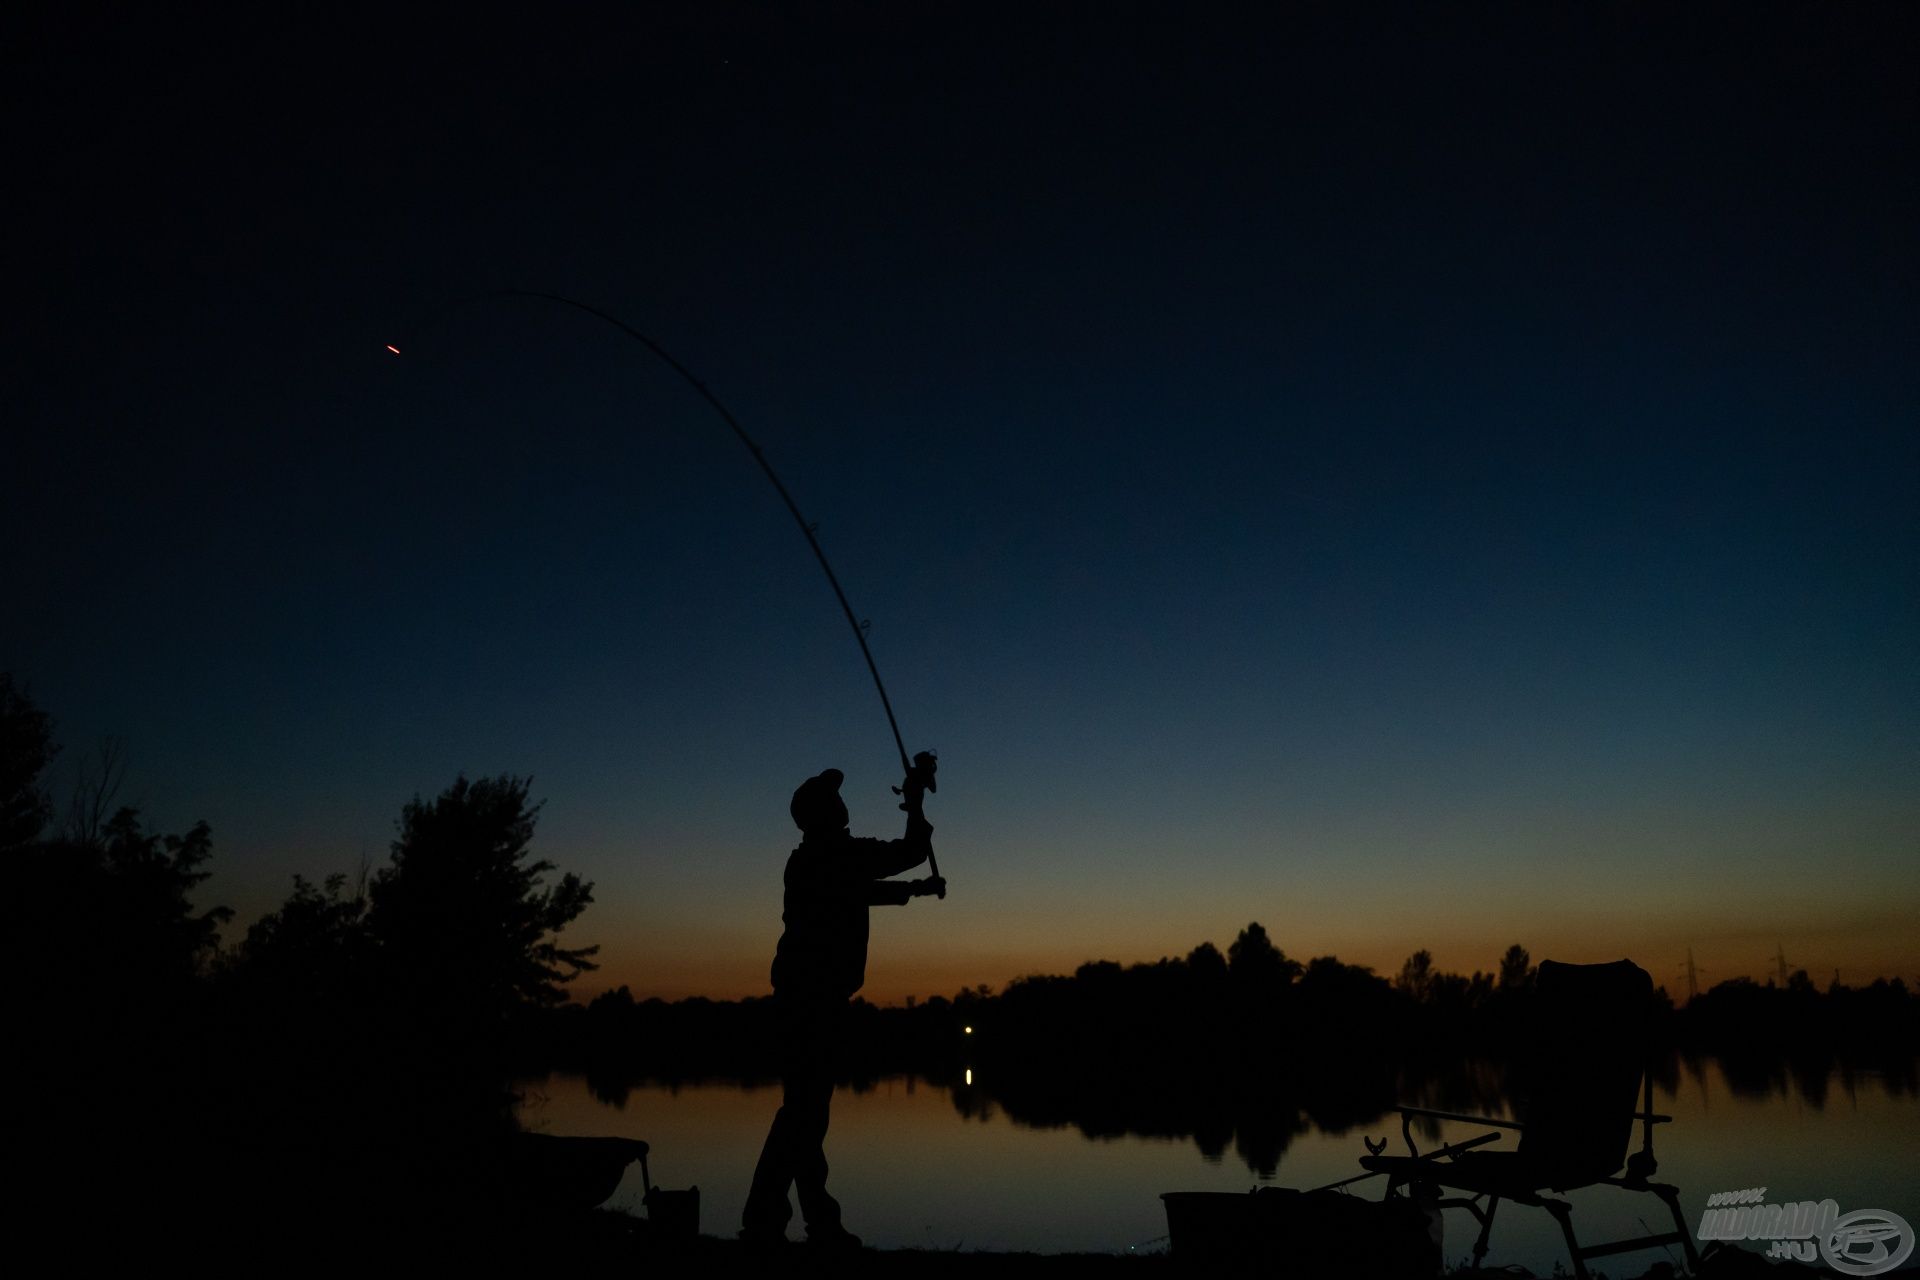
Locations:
column 882, row 858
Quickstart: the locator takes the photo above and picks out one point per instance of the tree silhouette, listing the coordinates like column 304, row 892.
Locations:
column 1206, row 964
column 107, row 898
column 1416, row 975
column 26, row 748
column 462, row 917
column 1516, row 969
column 143, row 916
column 313, row 942
column 1253, row 959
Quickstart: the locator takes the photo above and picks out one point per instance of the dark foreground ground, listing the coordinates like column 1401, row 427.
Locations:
column 513, row 1243
column 620, row 1238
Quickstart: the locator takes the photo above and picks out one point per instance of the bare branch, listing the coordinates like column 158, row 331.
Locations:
column 95, row 789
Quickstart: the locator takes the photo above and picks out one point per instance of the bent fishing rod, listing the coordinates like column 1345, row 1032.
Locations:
column 919, row 772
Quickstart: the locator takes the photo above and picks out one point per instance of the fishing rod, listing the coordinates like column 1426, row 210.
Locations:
column 920, row 770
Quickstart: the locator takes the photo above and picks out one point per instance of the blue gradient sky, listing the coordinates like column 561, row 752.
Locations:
column 1438, row 480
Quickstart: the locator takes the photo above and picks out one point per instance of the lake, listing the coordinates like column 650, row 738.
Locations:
column 917, row 1165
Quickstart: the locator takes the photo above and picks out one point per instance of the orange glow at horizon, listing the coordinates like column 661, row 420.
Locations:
column 902, row 973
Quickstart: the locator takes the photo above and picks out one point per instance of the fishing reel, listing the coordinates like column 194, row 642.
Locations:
column 919, row 779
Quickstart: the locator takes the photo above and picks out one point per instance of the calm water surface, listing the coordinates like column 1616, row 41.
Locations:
column 912, row 1168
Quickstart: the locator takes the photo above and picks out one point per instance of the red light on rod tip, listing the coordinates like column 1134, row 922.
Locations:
column 393, row 348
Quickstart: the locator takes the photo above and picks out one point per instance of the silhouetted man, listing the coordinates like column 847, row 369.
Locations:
column 832, row 878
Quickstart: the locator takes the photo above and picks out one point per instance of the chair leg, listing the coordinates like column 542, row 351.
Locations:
column 1486, row 1229
column 1671, row 1194
column 1563, row 1214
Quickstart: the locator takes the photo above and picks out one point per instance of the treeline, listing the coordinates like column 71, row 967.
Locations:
column 1250, row 1010
column 1773, row 1039
column 336, row 1078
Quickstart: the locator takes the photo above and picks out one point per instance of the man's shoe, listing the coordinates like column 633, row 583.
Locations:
column 835, row 1237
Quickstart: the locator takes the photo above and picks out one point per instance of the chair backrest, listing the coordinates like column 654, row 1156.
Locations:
column 1582, row 1068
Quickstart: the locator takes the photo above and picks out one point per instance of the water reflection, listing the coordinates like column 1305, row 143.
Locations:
column 1002, row 1163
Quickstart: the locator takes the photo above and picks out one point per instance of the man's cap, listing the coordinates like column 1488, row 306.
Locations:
column 817, row 804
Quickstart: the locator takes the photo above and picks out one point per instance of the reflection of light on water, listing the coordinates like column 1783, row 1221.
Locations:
column 969, row 1075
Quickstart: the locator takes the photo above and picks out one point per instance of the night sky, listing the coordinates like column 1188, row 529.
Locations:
column 1437, row 476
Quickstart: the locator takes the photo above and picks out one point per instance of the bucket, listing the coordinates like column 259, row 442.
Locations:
column 675, row 1215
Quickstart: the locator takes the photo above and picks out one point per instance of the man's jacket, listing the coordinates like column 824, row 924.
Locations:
column 831, row 881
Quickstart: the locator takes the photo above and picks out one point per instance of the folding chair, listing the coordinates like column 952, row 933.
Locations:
column 1584, row 1068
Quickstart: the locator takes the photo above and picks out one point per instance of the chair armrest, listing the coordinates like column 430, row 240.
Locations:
column 1454, row 1115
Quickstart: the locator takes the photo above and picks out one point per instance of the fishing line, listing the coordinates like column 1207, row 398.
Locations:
column 808, row 529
